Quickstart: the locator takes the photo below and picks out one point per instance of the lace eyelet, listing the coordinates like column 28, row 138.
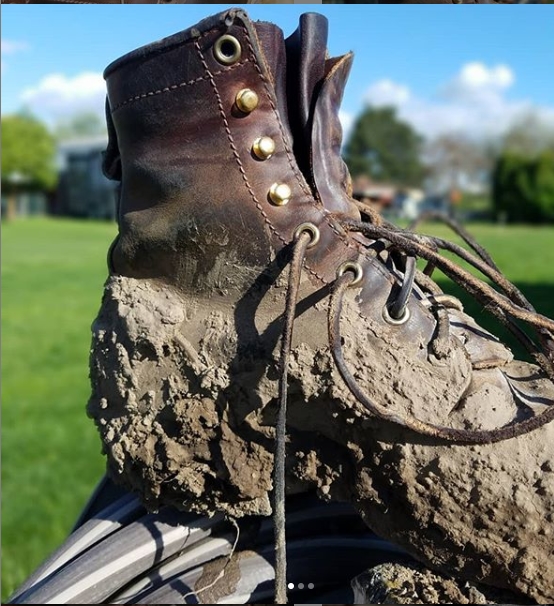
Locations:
column 311, row 229
column 353, row 266
column 396, row 321
column 227, row 50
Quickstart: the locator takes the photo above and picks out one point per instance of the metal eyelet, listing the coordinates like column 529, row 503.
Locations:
column 311, row 229
column 396, row 321
column 227, row 50
column 353, row 266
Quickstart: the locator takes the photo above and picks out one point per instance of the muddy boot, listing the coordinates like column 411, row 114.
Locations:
column 235, row 225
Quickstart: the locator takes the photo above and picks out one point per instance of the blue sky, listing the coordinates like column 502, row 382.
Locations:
column 445, row 67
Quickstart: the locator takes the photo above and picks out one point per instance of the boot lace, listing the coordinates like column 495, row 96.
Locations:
column 405, row 246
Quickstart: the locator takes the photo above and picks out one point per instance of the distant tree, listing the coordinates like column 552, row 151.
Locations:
column 529, row 135
column 523, row 187
column 385, row 148
column 28, row 154
column 87, row 124
column 544, row 179
column 456, row 162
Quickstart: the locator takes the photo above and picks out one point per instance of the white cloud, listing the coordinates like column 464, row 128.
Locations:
column 11, row 47
column 479, row 85
column 475, row 78
column 387, row 92
column 473, row 102
column 58, row 96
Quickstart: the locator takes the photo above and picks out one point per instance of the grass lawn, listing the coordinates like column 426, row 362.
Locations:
column 525, row 255
column 52, row 276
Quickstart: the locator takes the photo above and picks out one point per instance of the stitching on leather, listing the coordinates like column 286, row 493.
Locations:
column 210, row 77
column 358, row 248
column 168, row 89
column 288, row 150
column 267, row 220
column 353, row 245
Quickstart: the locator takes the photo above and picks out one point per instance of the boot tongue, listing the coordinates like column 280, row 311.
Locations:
column 271, row 40
column 309, row 90
column 306, row 49
column 315, row 86
column 330, row 173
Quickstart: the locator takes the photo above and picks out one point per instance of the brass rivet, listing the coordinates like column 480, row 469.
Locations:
column 247, row 100
column 227, row 50
column 263, row 147
column 280, row 194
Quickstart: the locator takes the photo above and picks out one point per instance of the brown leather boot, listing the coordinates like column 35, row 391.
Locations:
column 226, row 140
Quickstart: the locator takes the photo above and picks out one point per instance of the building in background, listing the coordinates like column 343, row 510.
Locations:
column 397, row 202
column 83, row 191
column 379, row 196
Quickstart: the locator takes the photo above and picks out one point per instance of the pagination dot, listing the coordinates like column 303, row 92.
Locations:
column 301, row 585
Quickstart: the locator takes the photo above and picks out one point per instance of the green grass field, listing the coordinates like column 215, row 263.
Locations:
column 52, row 276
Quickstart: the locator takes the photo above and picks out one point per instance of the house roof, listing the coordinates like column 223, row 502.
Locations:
column 83, row 144
column 364, row 186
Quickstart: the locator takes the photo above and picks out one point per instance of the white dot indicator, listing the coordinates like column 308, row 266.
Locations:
column 290, row 585
column 300, row 585
column 310, row 585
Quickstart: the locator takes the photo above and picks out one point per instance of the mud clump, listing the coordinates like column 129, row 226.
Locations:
column 161, row 408
column 414, row 584
column 184, row 395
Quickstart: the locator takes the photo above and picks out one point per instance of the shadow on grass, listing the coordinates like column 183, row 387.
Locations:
column 541, row 296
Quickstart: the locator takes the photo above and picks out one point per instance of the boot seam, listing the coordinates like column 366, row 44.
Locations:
column 304, row 186
column 173, row 87
column 357, row 248
column 236, row 154
column 313, row 201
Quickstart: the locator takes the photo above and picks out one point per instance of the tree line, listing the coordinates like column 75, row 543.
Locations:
column 518, row 168
column 29, row 148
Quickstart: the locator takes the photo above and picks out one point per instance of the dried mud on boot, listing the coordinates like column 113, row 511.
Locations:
column 414, row 584
column 187, row 420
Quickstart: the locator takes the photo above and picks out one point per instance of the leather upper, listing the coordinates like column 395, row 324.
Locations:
column 194, row 208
